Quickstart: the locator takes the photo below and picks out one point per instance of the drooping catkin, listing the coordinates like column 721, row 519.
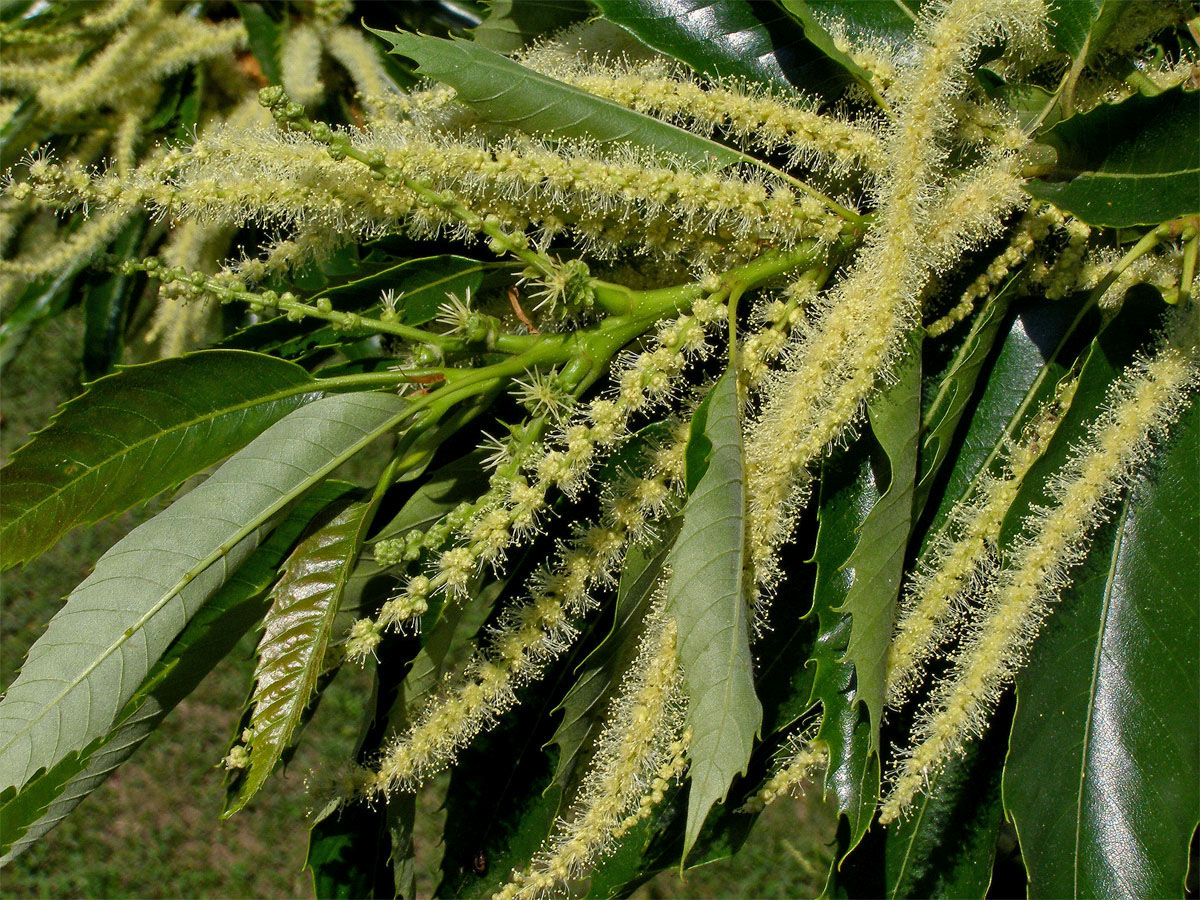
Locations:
column 528, row 635
column 835, row 366
column 638, row 753
column 962, row 557
column 1143, row 402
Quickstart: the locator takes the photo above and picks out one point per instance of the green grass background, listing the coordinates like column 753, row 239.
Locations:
column 153, row 829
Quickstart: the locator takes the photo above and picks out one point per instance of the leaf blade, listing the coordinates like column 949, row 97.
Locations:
column 152, row 581
column 209, row 636
column 296, row 634
column 1130, row 163
column 877, row 561
column 135, row 433
column 705, row 597
column 1102, row 733
column 506, row 93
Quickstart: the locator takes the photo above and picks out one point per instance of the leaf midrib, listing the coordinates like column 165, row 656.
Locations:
column 201, row 566
column 1084, row 746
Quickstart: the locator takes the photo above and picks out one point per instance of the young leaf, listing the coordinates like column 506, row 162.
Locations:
column 506, row 93
column 135, row 433
column 877, row 562
column 1131, row 163
column 50, row 797
column 705, row 596
column 295, row 637
column 733, row 38
column 1101, row 780
column 99, row 647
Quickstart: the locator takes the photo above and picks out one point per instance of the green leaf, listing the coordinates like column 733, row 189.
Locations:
column 732, row 38
column 1033, row 358
column 511, row 24
column 1101, row 780
column 848, row 492
column 1077, row 26
column 135, row 433
column 106, row 306
column 295, row 637
column 100, row 646
column 264, row 34
column 705, row 596
column 1131, row 163
column 506, row 93
column 211, row 634
column 877, row 562
column 941, row 420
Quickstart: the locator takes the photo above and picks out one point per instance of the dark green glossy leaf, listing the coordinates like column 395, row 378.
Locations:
column 849, row 490
column 1035, row 355
column 296, row 632
column 506, row 93
column 1132, row 163
column 511, row 24
column 101, row 645
column 106, row 306
column 135, row 433
column 705, row 597
column 877, row 562
column 210, row 635
column 941, row 420
column 883, row 21
column 1101, row 780
column 733, row 38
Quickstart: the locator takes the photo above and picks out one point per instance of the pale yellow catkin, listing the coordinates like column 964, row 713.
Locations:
column 1143, row 403
column 836, row 366
column 962, row 559
column 639, row 745
column 527, row 637
column 802, row 763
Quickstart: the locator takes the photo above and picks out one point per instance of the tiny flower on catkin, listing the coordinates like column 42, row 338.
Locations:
column 961, row 559
column 639, row 748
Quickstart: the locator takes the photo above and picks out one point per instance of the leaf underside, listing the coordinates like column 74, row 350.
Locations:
column 136, row 433
column 705, row 598
column 98, row 649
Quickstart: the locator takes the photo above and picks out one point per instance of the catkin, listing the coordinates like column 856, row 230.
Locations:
column 1143, row 403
